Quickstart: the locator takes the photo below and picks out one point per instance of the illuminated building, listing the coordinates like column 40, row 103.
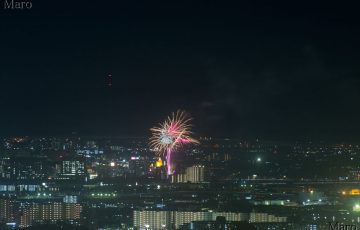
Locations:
column 186, row 217
column 256, row 217
column 6, row 168
column 227, row 157
column 92, row 173
column 71, row 168
column 178, row 178
column 7, row 188
column 48, row 212
column 171, row 219
column 7, row 210
column 152, row 219
column 19, row 188
column 21, row 168
column 70, row 199
column 195, row 174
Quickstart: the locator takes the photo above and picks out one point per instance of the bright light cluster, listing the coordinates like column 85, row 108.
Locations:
column 172, row 133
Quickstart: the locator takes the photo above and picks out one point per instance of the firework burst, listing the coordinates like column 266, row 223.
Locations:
column 169, row 135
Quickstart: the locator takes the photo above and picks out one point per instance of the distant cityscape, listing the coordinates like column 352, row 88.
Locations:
column 179, row 115
column 119, row 183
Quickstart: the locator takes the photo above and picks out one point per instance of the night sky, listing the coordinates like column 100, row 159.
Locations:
column 276, row 71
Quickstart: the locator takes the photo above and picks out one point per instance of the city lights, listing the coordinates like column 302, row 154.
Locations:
column 141, row 115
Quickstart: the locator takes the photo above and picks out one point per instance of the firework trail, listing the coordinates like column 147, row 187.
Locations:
column 169, row 135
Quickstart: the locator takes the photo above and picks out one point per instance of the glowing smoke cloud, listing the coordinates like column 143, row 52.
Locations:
column 172, row 133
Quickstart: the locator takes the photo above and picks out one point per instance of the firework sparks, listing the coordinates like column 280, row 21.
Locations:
column 172, row 133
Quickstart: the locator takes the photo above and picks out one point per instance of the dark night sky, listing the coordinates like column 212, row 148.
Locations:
column 255, row 69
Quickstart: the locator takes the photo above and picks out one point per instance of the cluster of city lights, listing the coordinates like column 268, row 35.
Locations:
column 103, row 194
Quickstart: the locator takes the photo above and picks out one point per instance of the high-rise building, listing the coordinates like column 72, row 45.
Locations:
column 174, row 219
column 195, row 174
column 178, row 178
column 256, row 217
column 48, row 212
column 6, row 169
column 152, row 219
column 21, row 168
column 7, row 210
column 71, row 168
